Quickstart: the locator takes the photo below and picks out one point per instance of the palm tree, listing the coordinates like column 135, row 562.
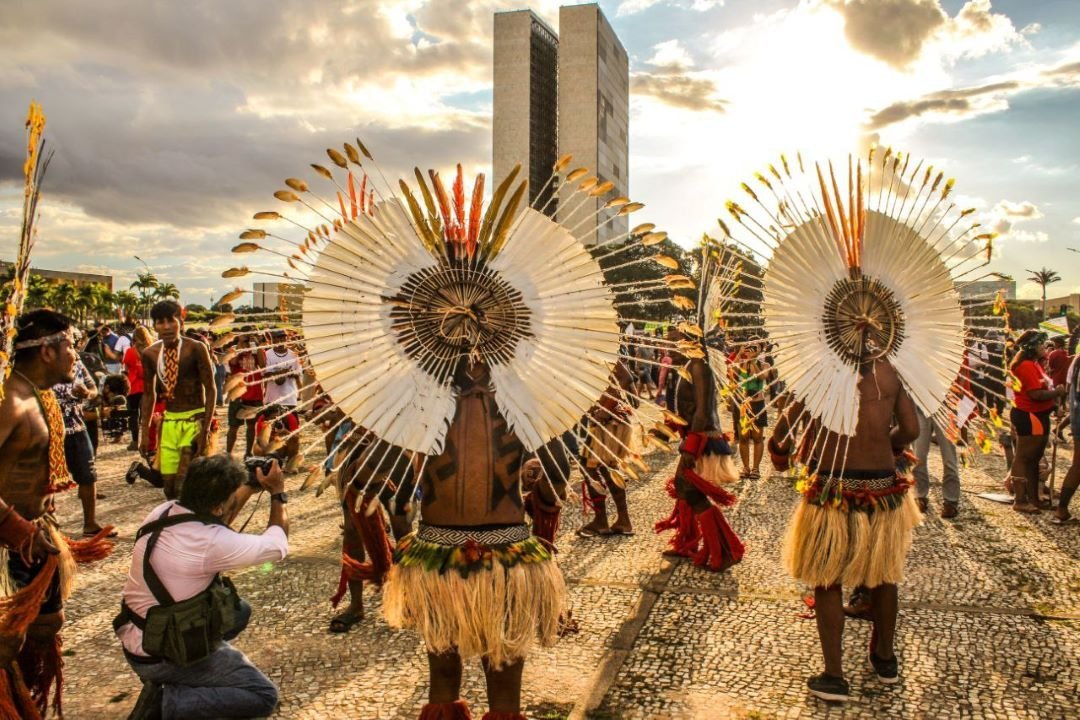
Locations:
column 145, row 283
column 1043, row 277
column 88, row 298
column 127, row 301
column 62, row 296
column 37, row 292
column 166, row 291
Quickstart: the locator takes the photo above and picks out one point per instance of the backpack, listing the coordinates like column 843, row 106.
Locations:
column 190, row 630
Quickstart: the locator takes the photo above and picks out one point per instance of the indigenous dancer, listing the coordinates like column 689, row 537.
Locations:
column 705, row 464
column 878, row 334
column 38, row 563
column 609, row 444
column 441, row 344
column 184, row 379
column 853, row 526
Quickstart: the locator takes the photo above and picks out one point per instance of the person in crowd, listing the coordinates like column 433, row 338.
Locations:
column 281, row 388
column 112, row 346
column 862, row 537
column 1033, row 404
column 133, row 369
column 183, row 376
column 930, row 429
column 1072, row 477
column 187, row 665
column 1058, row 360
column 38, row 559
column 608, row 446
column 753, row 378
column 248, row 360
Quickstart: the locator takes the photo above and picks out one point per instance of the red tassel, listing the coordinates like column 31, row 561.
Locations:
column 492, row 715
column 718, row 495
column 92, row 549
column 15, row 700
column 376, row 543
column 721, row 547
column 545, row 518
column 686, row 539
column 42, row 667
column 457, row 710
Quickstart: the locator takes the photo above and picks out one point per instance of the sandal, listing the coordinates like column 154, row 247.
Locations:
column 1062, row 521
column 344, row 622
column 95, row 533
column 587, row 532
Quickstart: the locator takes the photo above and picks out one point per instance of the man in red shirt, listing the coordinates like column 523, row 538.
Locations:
column 1057, row 366
column 249, row 360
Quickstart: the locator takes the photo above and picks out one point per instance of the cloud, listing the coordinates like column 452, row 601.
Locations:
column 960, row 102
column 1076, row 220
column 633, row 7
column 1004, row 216
column 672, row 83
column 902, row 32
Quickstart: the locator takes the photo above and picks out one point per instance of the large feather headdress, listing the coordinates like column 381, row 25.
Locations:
column 851, row 266
column 400, row 284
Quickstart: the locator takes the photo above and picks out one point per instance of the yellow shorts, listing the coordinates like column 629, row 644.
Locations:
column 179, row 430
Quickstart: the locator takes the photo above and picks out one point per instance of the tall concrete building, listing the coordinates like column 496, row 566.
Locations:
column 526, row 116
column 559, row 94
column 594, row 113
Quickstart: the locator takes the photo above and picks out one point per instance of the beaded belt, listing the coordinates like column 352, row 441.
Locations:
column 454, row 536
column 862, row 484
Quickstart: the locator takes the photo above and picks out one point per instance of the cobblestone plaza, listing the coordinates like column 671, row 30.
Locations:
column 989, row 624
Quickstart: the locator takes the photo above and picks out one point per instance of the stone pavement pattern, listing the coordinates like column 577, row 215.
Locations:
column 989, row 626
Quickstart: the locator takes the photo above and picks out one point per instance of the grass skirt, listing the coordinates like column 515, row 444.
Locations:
column 852, row 537
column 476, row 594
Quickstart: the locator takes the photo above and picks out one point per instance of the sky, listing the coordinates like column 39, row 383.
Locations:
column 174, row 121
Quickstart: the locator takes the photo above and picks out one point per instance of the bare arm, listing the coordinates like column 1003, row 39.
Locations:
column 907, row 421
column 149, row 399
column 274, row 482
column 206, row 376
column 699, row 375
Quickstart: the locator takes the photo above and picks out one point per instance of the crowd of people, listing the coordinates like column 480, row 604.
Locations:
column 160, row 386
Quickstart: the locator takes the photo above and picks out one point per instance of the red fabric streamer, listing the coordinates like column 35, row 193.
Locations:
column 545, row 518
column 457, row 710
column 376, row 542
column 686, row 539
column 721, row 547
column 42, row 667
column 717, row 495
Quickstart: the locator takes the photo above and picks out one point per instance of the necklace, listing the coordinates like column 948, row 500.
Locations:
column 59, row 477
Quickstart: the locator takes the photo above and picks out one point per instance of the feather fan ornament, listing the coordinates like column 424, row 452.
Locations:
column 851, row 266
column 411, row 279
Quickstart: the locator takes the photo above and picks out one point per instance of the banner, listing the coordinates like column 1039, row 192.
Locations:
column 1055, row 326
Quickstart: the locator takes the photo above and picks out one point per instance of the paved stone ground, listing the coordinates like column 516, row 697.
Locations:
column 989, row 627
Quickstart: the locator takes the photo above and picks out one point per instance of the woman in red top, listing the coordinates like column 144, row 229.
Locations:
column 1033, row 402
column 133, row 369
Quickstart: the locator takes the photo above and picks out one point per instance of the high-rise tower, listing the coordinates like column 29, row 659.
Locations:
column 559, row 94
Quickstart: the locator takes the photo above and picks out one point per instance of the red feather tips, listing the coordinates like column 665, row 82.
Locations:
column 459, row 198
column 365, row 206
column 475, row 215
column 341, row 205
column 371, row 201
column 352, row 197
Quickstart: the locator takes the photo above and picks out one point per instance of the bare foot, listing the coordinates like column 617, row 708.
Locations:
column 1026, row 508
column 594, row 529
column 622, row 527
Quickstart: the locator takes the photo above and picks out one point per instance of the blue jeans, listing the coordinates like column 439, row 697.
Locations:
column 950, row 476
column 223, row 685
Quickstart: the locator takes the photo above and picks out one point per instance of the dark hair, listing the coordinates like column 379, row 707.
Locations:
column 166, row 309
column 34, row 325
column 1027, row 346
column 210, row 481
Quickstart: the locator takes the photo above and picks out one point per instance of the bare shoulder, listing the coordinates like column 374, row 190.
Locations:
column 881, row 381
column 17, row 398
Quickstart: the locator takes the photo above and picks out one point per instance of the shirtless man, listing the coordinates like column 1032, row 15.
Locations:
column 851, row 480
column 32, row 467
column 608, row 445
column 184, row 377
column 705, row 463
column 451, row 579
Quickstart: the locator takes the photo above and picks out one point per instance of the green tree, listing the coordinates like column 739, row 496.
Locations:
column 62, row 297
column 1043, row 278
column 126, row 301
column 166, row 291
column 37, row 292
column 145, row 284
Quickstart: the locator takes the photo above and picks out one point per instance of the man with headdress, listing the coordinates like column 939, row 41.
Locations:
column 39, row 563
column 705, row 464
column 184, row 378
column 474, row 581
column 853, row 525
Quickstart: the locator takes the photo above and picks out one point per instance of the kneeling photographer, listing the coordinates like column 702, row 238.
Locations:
column 178, row 612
